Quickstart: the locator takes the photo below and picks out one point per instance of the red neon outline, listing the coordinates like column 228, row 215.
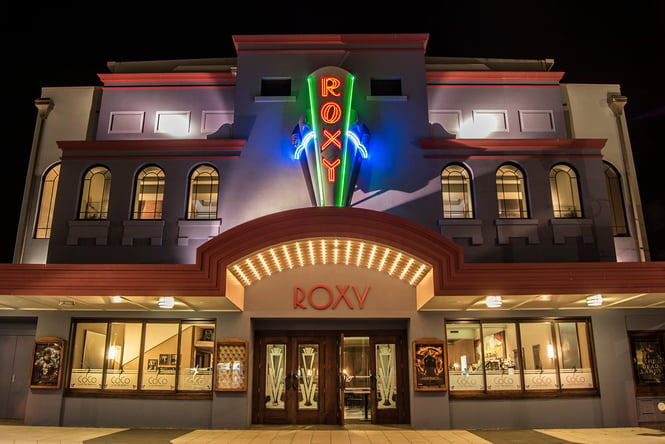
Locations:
column 331, row 168
column 331, row 112
column 329, row 85
column 332, row 138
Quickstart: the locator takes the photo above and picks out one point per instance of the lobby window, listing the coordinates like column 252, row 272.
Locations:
column 520, row 358
column 511, row 193
column 95, row 194
column 456, row 193
column 565, row 191
column 47, row 202
column 276, row 87
column 142, row 357
column 615, row 197
column 203, row 193
column 386, row 87
column 149, row 193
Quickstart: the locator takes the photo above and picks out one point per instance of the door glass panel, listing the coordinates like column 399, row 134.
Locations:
column 386, row 377
column 275, row 374
column 308, row 376
column 539, row 356
column 356, row 377
column 500, row 346
column 161, row 348
column 88, row 355
column 465, row 358
column 123, row 356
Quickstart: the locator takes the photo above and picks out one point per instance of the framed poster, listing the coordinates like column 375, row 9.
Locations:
column 648, row 356
column 46, row 370
column 231, row 365
column 429, row 369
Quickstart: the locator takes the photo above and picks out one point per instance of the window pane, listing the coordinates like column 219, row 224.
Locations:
column 95, row 194
column 539, row 356
column 123, row 356
column 511, row 194
column 196, row 348
column 160, row 356
column 500, row 348
column 88, row 355
column 47, row 203
column 308, row 376
column 386, row 382
column 203, row 191
column 149, row 193
column 456, row 193
column 465, row 359
column 275, row 374
column 615, row 195
column 575, row 355
column 565, row 192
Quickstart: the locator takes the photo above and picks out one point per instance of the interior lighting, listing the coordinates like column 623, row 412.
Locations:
column 595, row 300
column 117, row 299
column 493, row 301
column 166, row 302
column 550, row 351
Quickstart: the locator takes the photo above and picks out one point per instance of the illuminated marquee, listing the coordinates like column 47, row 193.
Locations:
column 329, row 139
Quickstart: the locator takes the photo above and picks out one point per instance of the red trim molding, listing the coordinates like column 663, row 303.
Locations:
column 152, row 145
column 529, row 77
column 169, row 78
column 513, row 144
column 285, row 43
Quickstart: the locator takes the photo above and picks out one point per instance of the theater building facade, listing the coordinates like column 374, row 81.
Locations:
column 332, row 229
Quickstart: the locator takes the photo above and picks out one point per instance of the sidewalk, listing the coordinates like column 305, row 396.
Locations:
column 20, row 434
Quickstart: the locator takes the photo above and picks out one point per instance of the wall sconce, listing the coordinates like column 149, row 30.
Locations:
column 493, row 301
column 594, row 300
column 166, row 302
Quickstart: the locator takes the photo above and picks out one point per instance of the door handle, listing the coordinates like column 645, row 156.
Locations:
column 291, row 382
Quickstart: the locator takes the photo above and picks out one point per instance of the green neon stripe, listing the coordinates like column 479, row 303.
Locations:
column 317, row 154
column 345, row 165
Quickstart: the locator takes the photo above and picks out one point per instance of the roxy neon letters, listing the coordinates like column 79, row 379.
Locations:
column 324, row 297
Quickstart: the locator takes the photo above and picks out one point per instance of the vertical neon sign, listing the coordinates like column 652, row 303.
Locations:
column 330, row 159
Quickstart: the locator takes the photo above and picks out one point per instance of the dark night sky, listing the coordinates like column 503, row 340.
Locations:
column 591, row 42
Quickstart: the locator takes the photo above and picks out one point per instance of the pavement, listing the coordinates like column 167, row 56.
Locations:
column 356, row 434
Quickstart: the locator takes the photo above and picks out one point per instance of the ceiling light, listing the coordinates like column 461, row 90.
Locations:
column 493, row 301
column 594, row 300
column 65, row 303
column 117, row 299
column 166, row 302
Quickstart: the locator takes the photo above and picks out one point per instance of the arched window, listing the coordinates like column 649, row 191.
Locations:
column 47, row 202
column 615, row 196
column 149, row 193
column 456, row 193
column 565, row 192
column 511, row 193
column 95, row 194
column 203, row 193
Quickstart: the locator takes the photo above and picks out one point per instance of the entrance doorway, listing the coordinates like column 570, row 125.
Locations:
column 330, row 377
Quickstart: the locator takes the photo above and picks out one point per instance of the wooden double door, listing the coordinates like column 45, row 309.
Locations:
column 304, row 377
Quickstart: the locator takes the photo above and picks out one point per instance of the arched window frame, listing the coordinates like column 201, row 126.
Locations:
column 616, row 202
column 149, row 193
column 511, row 192
column 47, row 196
column 203, row 193
column 95, row 191
column 456, row 196
column 565, row 191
